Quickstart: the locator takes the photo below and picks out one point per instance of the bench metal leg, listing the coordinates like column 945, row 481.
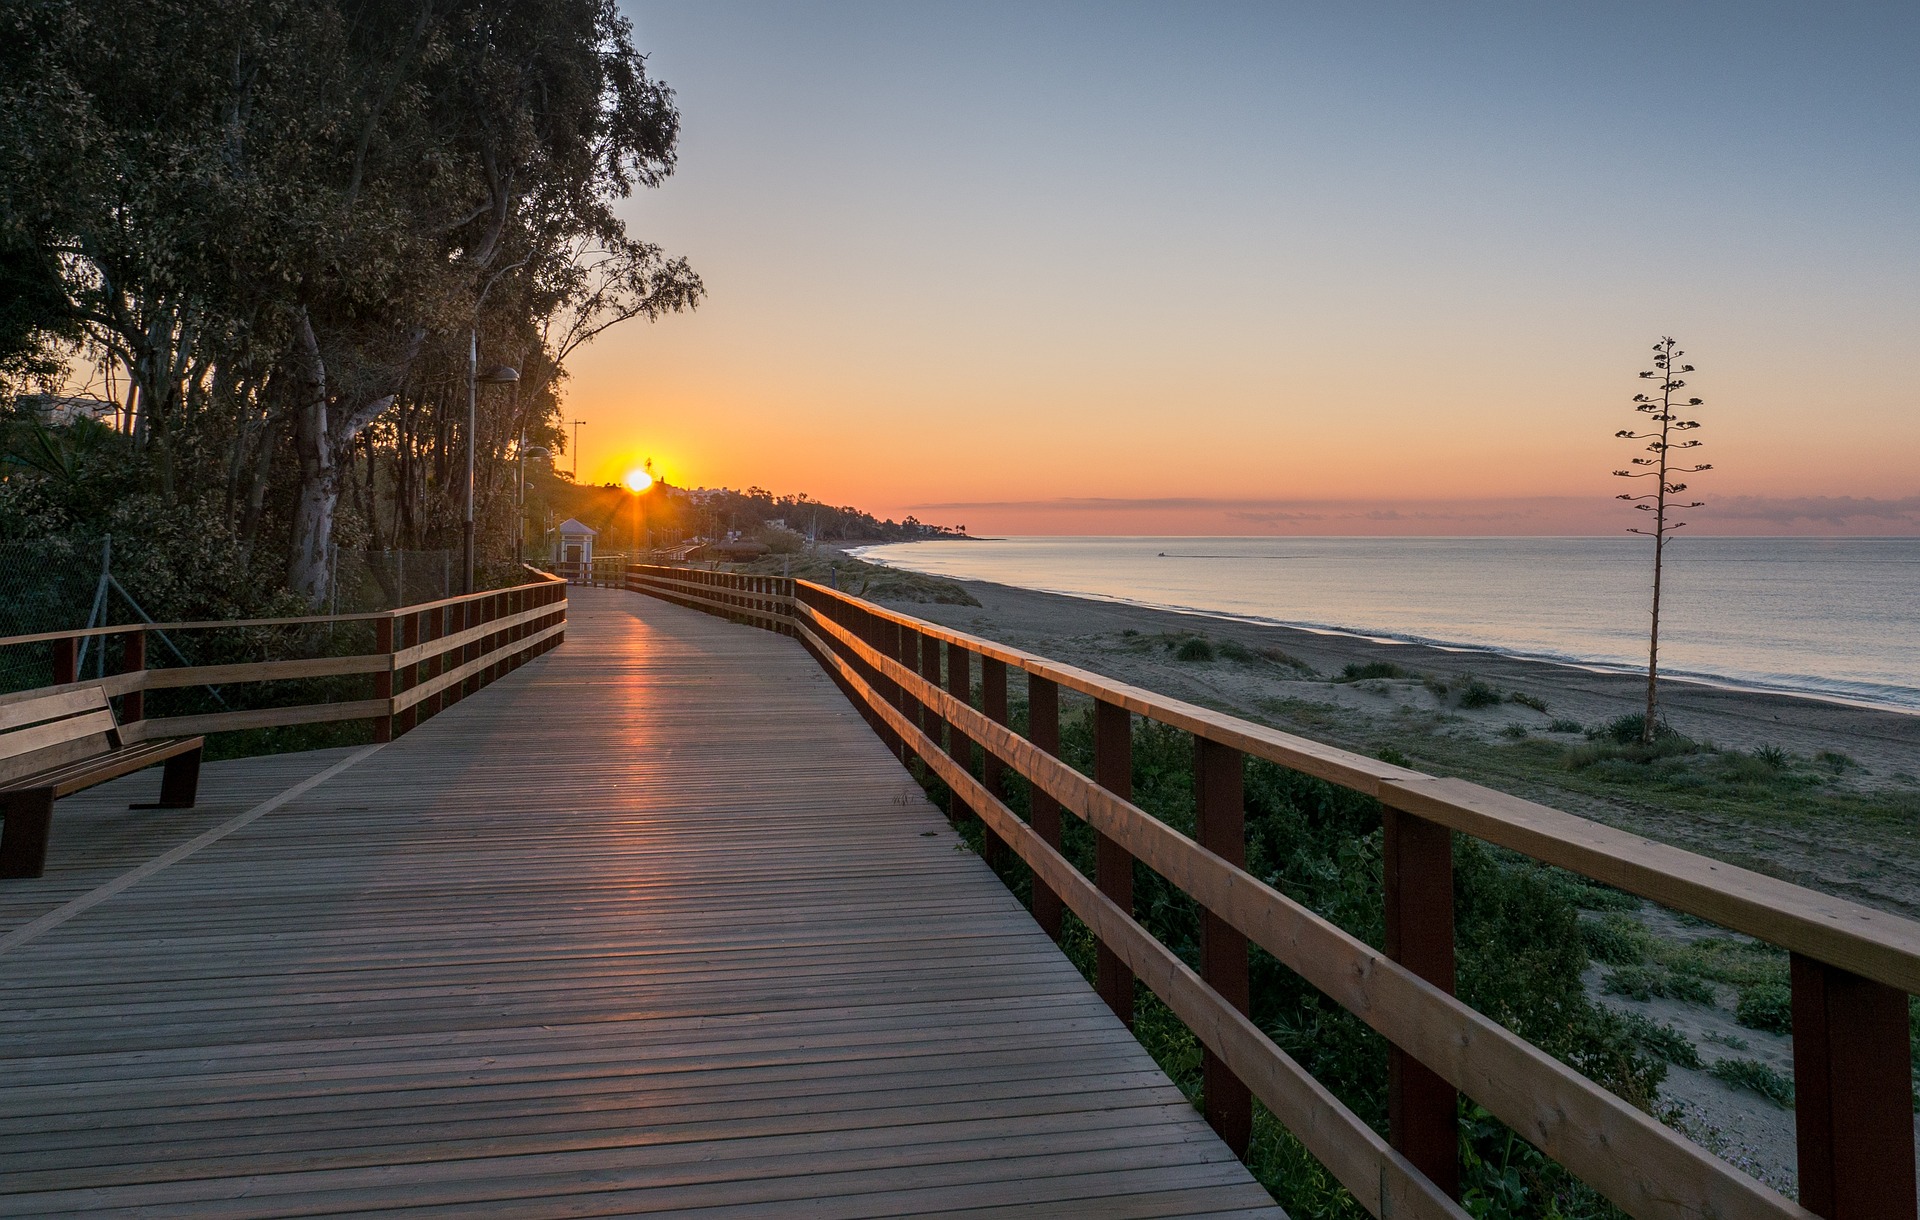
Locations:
column 26, row 822
column 179, row 783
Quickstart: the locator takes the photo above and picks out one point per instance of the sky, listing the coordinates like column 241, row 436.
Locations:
column 1279, row 268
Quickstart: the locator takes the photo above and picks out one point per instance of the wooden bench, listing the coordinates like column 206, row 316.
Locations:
column 58, row 744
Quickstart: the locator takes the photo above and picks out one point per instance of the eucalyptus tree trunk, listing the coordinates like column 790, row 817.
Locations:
column 322, row 443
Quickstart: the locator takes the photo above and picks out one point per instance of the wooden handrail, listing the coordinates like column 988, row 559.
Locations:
column 497, row 630
column 1853, row 966
column 1521, row 1085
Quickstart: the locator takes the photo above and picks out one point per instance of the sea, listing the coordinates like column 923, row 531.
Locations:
column 1837, row 618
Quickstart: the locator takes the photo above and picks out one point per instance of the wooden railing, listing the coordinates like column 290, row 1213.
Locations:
column 1852, row 967
column 423, row 658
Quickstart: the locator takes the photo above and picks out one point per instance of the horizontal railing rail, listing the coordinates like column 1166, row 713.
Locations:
column 424, row 658
column 1852, row 967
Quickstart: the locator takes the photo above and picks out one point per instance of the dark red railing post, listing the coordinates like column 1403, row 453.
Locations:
column 66, row 660
column 1422, row 1109
column 872, row 633
column 409, row 675
column 383, row 679
column 993, row 772
column 959, row 745
column 1220, row 824
column 1043, row 813
column 1853, row 1094
column 1112, row 866
column 909, row 655
column 932, row 724
column 442, row 621
column 133, row 660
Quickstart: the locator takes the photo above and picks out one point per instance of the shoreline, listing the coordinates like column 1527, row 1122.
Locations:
column 1385, row 638
column 1090, row 630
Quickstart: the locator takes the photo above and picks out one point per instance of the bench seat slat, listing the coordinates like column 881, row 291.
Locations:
column 69, row 778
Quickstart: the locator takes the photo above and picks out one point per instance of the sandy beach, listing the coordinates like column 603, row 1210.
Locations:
column 1128, row 642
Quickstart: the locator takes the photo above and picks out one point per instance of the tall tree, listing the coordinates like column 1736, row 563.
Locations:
column 1662, row 468
column 283, row 218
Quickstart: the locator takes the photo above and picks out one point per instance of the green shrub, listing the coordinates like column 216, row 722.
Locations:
column 1651, row 982
column 1772, row 756
column 1388, row 754
column 1766, row 1006
column 1525, row 700
column 1515, row 731
column 1436, row 686
column 1280, row 656
column 1563, row 725
column 1754, row 1076
column 1479, row 694
column 1835, row 761
column 1194, row 648
column 1663, row 1040
column 1616, row 940
column 1356, row 672
column 1625, row 730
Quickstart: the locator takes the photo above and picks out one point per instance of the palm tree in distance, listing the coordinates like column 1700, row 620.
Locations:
column 1660, row 467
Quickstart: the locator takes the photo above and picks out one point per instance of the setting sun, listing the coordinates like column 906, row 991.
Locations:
column 638, row 480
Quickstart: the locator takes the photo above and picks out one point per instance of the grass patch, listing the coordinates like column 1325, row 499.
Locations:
column 1515, row 731
column 1834, row 761
column 1356, row 672
column 1617, row 939
column 1563, row 725
column 1656, row 982
column 1478, row 694
column 1194, row 648
column 1766, row 1006
column 1525, row 700
column 1663, row 1040
column 1755, row 1077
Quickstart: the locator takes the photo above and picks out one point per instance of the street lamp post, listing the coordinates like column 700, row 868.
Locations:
column 498, row 375
column 520, row 501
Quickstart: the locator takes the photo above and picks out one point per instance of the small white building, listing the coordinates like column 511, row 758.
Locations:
column 573, row 542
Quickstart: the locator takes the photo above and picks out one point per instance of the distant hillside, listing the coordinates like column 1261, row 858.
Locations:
column 669, row 514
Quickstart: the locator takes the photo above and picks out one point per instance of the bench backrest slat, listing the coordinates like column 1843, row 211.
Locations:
column 51, row 707
column 55, row 733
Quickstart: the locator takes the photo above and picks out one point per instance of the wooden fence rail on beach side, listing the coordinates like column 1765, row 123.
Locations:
column 425, row 657
column 1852, row 967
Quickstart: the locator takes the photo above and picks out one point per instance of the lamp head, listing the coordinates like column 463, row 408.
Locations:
column 499, row 374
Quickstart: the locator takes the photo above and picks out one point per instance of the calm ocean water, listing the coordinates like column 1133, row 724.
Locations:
column 1838, row 617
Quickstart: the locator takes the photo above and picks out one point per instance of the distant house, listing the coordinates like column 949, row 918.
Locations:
column 573, row 542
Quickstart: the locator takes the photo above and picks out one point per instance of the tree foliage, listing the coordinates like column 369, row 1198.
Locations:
column 278, row 220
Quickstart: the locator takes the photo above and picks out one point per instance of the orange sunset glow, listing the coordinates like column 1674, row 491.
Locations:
column 1418, row 295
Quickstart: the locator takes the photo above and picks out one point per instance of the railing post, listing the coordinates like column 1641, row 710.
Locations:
column 1112, row 866
column 871, row 630
column 383, row 679
column 959, row 745
column 932, row 723
column 1043, row 814
column 993, row 772
column 1422, row 1109
column 66, row 660
column 408, row 677
column 1853, row 1094
column 133, row 660
column 1220, row 824
column 437, row 664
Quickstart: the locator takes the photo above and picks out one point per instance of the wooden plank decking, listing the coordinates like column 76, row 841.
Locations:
column 653, row 925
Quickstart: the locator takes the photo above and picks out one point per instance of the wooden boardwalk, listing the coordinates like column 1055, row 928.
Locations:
column 653, row 925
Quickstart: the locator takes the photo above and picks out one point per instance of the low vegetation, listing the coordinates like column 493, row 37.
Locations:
column 1522, row 961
